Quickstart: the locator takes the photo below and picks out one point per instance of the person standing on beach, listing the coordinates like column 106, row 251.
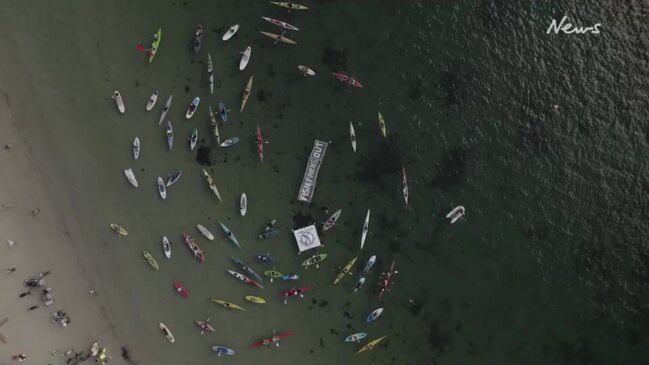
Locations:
column 10, row 270
column 32, row 307
column 28, row 292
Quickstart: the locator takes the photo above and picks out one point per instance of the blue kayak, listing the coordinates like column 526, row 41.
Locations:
column 228, row 233
column 222, row 350
column 246, row 268
column 223, row 112
column 290, row 277
column 265, row 258
column 374, row 315
column 230, row 142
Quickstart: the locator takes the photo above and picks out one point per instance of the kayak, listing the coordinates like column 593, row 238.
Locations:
column 119, row 102
column 345, row 270
column 332, row 220
column 166, row 247
column 386, row 279
column 272, row 274
column 260, row 145
column 166, row 109
column 215, row 126
column 369, row 264
column 205, row 232
column 306, row 71
column 267, row 258
column 180, row 289
column 136, row 148
column 290, row 277
column 384, row 131
column 347, row 79
column 210, row 73
column 152, row 100
column 193, row 246
column 162, row 189
column 366, row 226
column 272, row 340
column 230, row 142
column 254, row 299
column 356, row 337
column 246, row 93
column 191, row 109
column 155, row 44
column 231, row 31
column 228, row 233
column 245, row 279
column 374, row 315
column 314, row 260
column 270, row 225
column 198, row 39
column 193, row 139
column 278, row 37
column 227, row 305
column 150, row 260
column 359, row 284
column 293, row 292
column 247, row 269
column 243, row 204
column 352, row 136
column 121, row 231
column 170, row 135
column 222, row 350
column 130, row 176
column 370, row 345
column 245, row 57
column 456, row 214
column 289, row 5
column 167, row 333
column 269, row 234
column 280, row 23
column 211, row 184
column 404, row 183
column 173, row 178
column 204, row 326
column 223, row 112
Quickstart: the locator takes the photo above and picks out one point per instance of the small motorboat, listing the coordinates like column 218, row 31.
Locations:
column 455, row 214
column 193, row 139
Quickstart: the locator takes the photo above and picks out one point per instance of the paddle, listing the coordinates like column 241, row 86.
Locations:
column 140, row 48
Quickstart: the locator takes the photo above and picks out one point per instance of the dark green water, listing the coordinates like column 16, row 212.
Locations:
column 551, row 264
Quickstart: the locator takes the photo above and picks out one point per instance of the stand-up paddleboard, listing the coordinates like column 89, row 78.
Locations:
column 119, row 102
column 166, row 247
column 167, row 333
column 136, row 148
column 278, row 37
column 246, row 93
column 166, row 109
column 130, row 176
column 245, row 57
column 306, row 71
column 280, row 23
column 191, row 109
column 205, row 232
column 352, row 136
column 162, row 188
column 231, row 31
column 243, row 204
column 152, row 100
column 155, row 44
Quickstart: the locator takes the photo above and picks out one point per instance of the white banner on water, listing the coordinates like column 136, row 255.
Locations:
column 307, row 238
column 311, row 174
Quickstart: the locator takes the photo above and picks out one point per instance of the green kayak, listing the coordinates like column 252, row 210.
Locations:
column 148, row 258
column 155, row 44
column 314, row 260
column 272, row 274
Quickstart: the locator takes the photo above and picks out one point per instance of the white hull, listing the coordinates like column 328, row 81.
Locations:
column 167, row 333
column 306, row 70
column 456, row 213
column 119, row 102
column 152, row 100
column 231, row 32
column 245, row 57
column 352, row 136
column 190, row 112
column 130, row 176
column 170, row 136
column 166, row 109
column 162, row 189
column 205, row 232
column 243, row 204
column 166, row 247
column 366, row 226
column 136, row 148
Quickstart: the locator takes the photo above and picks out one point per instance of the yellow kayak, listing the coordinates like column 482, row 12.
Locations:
column 118, row 229
column 228, row 305
column 256, row 300
column 370, row 345
column 246, row 93
column 154, row 45
column 384, row 131
column 289, row 5
column 150, row 260
column 345, row 270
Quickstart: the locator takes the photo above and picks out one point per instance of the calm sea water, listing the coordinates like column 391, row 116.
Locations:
column 550, row 264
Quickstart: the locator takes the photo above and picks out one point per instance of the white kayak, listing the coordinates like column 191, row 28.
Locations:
column 352, row 135
column 205, row 232
column 306, row 71
column 166, row 109
column 245, row 57
column 162, row 188
column 456, row 213
column 170, row 135
column 136, row 148
column 191, row 109
column 130, row 176
column 193, row 139
column 366, row 226
column 210, row 73
column 166, row 247
column 152, row 100
column 167, row 333
column 233, row 29
column 119, row 102
column 243, row 204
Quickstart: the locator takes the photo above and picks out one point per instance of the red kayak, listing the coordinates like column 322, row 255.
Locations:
column 198, row 253
column 272, row 340
column 347, row 79
column 293, row 292
column 180, row 289
column 245, row 279
column 260, row 145
column 386, row 279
